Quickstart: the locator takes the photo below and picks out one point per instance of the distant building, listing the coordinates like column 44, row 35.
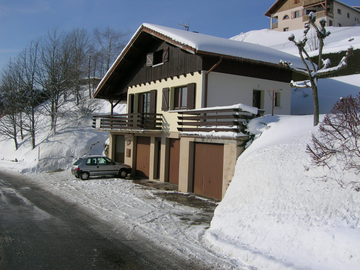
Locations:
column 287, row 15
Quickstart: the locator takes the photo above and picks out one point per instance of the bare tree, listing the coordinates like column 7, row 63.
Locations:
column 81, row 48
column 338, row 139
column 27, row 65
column 109, row 42
column 313, row 71
column 8, row 98
column 54, row 72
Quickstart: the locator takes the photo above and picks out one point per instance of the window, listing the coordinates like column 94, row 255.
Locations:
column 330, row 23
column 180, row 98
column 286, row 29
column 257, row 99
column 296, row 1
column 297, row 14
column 147, row 102
column 157, row 58
column 286, row 17
column 339, row 11
column 277, row 99
column 348, row 15
column 91, row 161
column 144, row 103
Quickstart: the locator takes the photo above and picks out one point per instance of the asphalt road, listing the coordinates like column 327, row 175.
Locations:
column 41, row 231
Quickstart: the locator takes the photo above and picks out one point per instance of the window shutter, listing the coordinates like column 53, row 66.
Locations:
column 131, row 103
column 153, row 101
column 149, row 59
column 165, row 99
column 191, row 96
column 292, row 15
column 165, row 56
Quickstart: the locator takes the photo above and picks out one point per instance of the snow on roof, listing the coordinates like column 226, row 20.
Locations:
column 222, row 46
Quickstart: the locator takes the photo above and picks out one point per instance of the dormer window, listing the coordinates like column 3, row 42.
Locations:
column 157, row 58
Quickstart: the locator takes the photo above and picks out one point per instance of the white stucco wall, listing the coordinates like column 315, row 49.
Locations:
column 230, row 89
column 343, row 18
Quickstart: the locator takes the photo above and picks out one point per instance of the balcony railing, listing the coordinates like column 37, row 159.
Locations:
column 219, row 120
column 131, row 121
column 319, row 14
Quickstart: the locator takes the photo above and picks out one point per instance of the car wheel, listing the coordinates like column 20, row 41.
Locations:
column 85, row 176
column 76, row 176
column 122, row 174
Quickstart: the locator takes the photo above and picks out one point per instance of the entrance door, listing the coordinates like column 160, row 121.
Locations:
column 119, row 148
column 208, row 169
column 142, row 156
column 174, row 159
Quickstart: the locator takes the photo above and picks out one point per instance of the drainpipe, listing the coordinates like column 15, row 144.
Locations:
column 207, row 80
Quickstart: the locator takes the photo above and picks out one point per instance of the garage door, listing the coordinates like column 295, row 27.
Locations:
column 208, row 169
column 143, row 156
column 174, row 154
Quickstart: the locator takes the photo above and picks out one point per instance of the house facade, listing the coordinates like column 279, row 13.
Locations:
column 187, row 96
column 287, row 15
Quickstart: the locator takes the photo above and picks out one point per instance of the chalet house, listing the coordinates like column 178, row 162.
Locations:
column 187, row 96
column 287, row 15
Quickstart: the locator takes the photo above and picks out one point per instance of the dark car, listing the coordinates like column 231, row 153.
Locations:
column 98, row 165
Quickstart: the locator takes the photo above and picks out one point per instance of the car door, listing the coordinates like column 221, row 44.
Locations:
column 106, row 166
column 92, row 166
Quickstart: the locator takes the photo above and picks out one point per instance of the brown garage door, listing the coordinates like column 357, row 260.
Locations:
column 208, row 169
column 174, row 154
column 143, row 156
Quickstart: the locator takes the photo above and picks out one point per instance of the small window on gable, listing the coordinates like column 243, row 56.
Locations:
column 348, row 15
column 339, row 11
column 157, row 58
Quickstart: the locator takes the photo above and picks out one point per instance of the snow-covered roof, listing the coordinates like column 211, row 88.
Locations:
column 197, row 43
column 201, row 43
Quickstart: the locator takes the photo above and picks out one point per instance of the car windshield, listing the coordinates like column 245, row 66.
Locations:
column 78, row 161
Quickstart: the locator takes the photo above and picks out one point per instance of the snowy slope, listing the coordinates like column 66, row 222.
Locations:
column 340, row 39
column 280, row 212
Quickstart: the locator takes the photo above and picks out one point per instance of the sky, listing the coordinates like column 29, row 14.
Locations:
column 22, row 21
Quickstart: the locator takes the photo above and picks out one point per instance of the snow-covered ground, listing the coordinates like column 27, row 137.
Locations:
column 279, row 211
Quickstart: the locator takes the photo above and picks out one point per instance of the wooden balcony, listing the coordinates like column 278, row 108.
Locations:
column 132, row 121
column 319, row 15
column 219, row 120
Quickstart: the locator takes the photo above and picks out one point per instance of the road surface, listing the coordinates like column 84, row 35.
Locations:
column 41, row 231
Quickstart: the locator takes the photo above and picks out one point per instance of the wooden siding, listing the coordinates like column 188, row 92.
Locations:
column 208, row 169
column 143, row 156
column 248, row 69
column 174, row 161
column 286, row 5
column 180, row 62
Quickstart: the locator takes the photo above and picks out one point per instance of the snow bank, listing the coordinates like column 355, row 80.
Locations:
column 281, row 213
